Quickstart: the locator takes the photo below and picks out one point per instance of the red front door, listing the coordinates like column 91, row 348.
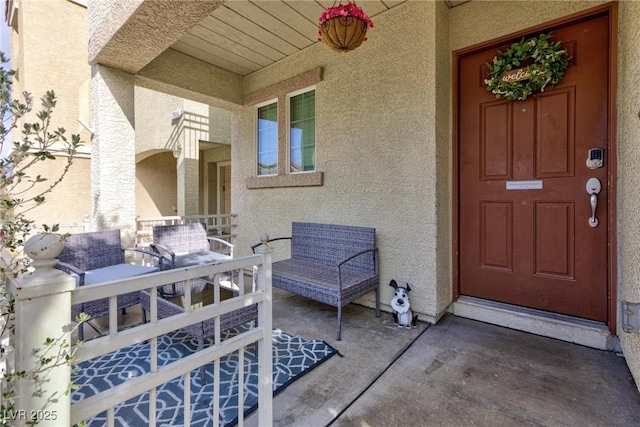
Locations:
column 524, row 231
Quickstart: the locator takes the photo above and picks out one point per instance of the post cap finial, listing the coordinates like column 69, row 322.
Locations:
column 43, row 248
column 265, row 248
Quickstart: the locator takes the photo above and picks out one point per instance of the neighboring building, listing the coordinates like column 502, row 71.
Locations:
column 48, row 52
column 178, row 160
column 406, row 139
column 181, row 148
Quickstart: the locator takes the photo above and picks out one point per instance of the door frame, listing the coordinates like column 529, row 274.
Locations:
column 220, row 183
column 611, row 11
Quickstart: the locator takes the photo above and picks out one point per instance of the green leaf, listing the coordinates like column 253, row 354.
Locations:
column 544, row 53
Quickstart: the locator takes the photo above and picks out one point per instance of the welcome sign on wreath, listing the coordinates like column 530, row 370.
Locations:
column 526, row 68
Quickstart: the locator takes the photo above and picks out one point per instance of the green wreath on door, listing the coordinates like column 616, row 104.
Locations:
column 537, row 62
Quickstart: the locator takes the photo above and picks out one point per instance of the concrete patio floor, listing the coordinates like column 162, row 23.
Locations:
column 456, row 373
column 459, row 372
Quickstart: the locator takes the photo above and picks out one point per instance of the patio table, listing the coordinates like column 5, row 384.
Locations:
column 187, row 259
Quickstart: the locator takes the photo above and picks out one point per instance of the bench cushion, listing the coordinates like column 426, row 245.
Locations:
column 186, row 259
column 100, row 307
column 115, row 272
column 319, row 282
column 200, row 257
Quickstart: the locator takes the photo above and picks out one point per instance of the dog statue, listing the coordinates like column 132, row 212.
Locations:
column 403, row 315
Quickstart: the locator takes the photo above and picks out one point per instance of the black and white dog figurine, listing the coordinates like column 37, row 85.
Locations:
column 403, row 315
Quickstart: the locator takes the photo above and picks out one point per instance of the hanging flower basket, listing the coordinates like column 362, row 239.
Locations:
column 343, row 27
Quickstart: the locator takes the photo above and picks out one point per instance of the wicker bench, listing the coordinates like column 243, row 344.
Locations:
column 332, row 264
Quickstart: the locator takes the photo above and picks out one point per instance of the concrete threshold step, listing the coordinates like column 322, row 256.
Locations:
column 565, row 328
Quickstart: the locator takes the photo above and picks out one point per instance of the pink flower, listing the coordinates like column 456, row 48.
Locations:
column 345, row 10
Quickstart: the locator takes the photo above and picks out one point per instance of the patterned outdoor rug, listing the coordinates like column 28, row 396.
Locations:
column 293, row 356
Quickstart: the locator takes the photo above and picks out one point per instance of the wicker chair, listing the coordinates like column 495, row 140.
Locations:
column 200, row 330
column 184, row 245
column 98, row 257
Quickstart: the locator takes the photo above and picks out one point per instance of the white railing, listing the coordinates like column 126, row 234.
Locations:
column 46, row 287
column 221, row 226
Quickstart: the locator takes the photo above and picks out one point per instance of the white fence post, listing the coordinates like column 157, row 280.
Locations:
column 42, row 311
column 265, row 351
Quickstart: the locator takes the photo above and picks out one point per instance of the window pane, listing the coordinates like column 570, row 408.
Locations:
column 268, row 139
column 302, row 137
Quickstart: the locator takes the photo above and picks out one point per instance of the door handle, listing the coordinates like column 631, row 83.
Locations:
column 593, row 188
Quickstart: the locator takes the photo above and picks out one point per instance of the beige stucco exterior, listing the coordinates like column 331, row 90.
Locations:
column 384, row 138
column 377, row 148
column 156, row 186
column 55, row 57
column 384, row 121
column 68, row 75
column 188, row 129
column 628, row 173
column 355, row 193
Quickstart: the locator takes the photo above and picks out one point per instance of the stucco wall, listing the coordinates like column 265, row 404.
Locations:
column 481, row 20
column 156, row 185
column 216, row 155
column 181, row 75
column 48, row 58
column 628, row 172
column 70, row 201
column 52, row 60
column 113, row 151
column 155, row 129
column 219, row 125
column 376, row 144
column 127, row 34
column 444, row 159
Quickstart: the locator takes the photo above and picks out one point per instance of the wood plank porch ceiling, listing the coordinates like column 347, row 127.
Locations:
column 245, row 36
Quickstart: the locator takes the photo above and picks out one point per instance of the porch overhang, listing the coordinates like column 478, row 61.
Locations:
column 129, row 34
column 239, row 37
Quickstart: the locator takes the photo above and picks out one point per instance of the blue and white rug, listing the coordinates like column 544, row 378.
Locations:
column 293, row 356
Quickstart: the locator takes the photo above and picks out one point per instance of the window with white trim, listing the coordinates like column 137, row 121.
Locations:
column 302, row 132
column 268, row 139
column 285, row 139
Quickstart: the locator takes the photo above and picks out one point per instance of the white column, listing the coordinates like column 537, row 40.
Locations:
column 113, row 165
column 42, row 311
column 265, row 320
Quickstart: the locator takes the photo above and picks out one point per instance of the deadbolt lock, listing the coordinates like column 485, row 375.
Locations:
column 595, row 158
